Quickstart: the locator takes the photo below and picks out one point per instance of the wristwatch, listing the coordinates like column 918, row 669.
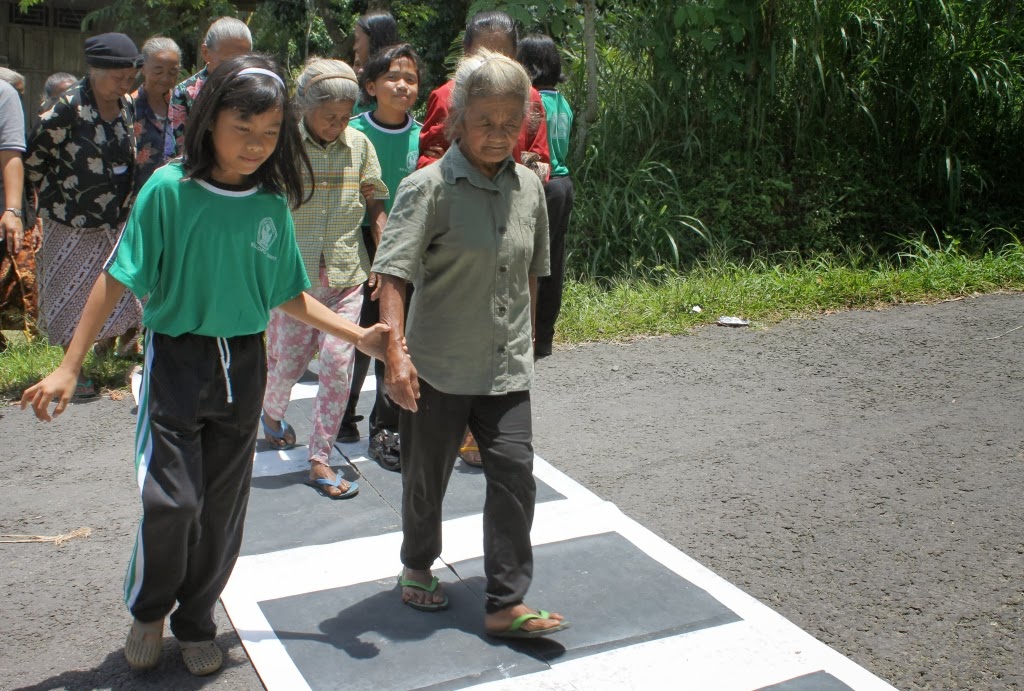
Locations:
column 16, row 212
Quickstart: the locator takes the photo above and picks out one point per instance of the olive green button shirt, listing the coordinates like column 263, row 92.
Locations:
column 470, row 245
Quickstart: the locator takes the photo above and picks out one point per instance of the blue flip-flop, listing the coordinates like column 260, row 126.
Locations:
column 321, row 484
column 280, row 436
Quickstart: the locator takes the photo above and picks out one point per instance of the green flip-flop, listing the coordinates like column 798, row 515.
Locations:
column 515, row 629
column 423, row 606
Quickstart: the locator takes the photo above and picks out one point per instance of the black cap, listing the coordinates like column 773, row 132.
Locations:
column 112, row 51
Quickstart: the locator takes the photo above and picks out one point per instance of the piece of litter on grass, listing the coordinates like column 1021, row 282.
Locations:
column 733, row 321
column 55, row 539
column 697, row 309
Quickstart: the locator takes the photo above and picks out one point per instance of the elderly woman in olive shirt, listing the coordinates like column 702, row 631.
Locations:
column 471, row 232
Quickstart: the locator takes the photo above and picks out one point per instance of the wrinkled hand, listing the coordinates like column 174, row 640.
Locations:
column 543, row 170
column 375, row 284
column 401, row 381
column 12, row 229
column 60, row 385
column 367, row 191
column 374, row 341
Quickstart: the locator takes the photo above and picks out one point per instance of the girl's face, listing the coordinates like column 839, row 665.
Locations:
column 361, row 48
column 161, row 72
column 242, row 144
column 489, row 130
column 110, row 85
column 327, row 121
column 397, row 89
column 494, row 41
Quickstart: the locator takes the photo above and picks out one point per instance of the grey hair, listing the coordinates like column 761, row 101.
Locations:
column 344, row 88
column 227, row 29
column 50, row 86
column 486, row 74
column 159, row 44
column 10, row 76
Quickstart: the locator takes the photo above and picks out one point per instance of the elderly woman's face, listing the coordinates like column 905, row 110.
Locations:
column 161, row 72
column 327, row 121
column 225, row 50
column 490, row 129
column 110, row 85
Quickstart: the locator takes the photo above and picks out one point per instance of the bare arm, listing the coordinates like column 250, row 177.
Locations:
column 14, row 182
column 401, row 379
column 61, row 383
column 378, row 217
column 372, row 341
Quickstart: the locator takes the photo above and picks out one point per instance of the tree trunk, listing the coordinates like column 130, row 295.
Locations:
column 337, row 35
column 589, row 115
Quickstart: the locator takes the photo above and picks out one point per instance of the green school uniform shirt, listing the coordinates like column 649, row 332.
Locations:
column 397, row 149
column 559, row 120
column 470, row 245
column 213, row 262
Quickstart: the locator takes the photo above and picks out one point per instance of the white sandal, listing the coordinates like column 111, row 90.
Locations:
column 201, row 657
column 144, row 644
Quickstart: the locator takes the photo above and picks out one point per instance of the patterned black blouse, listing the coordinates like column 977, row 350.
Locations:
column 82, row 165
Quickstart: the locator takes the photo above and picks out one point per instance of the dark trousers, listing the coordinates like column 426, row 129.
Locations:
column 559, row 195
column 430, row 437
column 194, row 454
column 384, row 415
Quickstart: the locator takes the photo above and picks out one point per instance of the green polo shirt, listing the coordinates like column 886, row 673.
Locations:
column 213, row 262
column 470, row 245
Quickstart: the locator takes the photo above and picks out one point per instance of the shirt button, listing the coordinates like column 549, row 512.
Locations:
column 501, row 350
column 501, row 310
column 503, row 269
column 501, row 229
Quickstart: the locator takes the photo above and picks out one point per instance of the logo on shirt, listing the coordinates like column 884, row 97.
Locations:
column 265, row 237
column 411, row 160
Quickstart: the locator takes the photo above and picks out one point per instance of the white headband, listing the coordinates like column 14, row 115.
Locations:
column 260, row 70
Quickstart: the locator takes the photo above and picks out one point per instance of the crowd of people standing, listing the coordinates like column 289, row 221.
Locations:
column 248, row 229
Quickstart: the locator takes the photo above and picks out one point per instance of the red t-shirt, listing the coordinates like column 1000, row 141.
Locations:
column 533, row 137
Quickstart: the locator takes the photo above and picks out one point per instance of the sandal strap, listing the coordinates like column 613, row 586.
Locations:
column 523, row 618
column 336, row 482
column 409, row 583
column 285, row 427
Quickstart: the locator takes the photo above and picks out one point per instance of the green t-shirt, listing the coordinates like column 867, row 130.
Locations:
column 397, row 149
column 213, row 262
column 559, row 120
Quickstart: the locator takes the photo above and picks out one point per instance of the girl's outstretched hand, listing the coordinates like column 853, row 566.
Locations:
column 60, row 385
column 374, row 341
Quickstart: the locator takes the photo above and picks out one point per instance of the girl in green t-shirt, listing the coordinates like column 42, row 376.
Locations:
column 210, row 241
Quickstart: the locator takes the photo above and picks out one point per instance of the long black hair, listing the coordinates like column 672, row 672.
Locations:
column 381, row 28
column 249, row 94
column 380, row 64
column 538, row 54
column 490, row 22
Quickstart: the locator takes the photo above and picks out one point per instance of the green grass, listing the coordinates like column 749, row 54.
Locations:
column 24, row 363
column 767, row 292
column 764, row 291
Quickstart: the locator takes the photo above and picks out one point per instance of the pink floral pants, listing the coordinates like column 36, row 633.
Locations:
column 291, row 346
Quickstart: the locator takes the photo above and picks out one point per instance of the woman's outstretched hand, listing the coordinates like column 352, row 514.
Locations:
column 374, row 341
column 60, row 385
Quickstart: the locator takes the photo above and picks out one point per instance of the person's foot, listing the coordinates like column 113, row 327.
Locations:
column 470, row 452
column 426, row 595
column 279, row 434
column 201, row 657
column 386, row 450
column 144, row 644
column 502, row 622
column 348, row 433
column 318, row 471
